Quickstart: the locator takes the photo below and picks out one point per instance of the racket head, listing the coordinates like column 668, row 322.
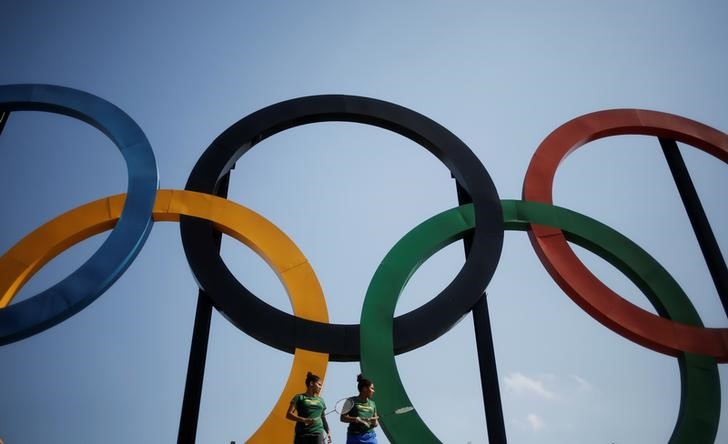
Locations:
column 398, row 411
column 344, row 406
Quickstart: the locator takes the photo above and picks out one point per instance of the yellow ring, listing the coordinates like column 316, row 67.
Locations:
column 290, row 265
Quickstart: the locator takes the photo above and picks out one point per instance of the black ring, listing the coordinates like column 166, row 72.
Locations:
column 287, row 332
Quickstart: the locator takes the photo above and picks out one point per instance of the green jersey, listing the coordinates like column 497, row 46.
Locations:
column 309, row 407
column 365, row 410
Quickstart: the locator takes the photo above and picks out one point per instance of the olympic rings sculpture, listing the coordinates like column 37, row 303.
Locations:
column 677, row 331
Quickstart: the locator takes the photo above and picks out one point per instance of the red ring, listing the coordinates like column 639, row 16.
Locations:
column 606, row 306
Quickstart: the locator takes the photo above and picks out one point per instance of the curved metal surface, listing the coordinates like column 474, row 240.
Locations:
column 101, row 270
column 700, row 402
column 618, row 314
column 296, row 274
column 286, row 332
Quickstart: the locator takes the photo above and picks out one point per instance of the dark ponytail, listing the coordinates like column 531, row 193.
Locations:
column 310, row 377
column 362, row 382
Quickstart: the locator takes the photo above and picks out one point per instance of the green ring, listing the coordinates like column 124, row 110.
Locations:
column 700, row 399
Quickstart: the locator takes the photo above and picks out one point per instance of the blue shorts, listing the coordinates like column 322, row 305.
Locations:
column 365, row 438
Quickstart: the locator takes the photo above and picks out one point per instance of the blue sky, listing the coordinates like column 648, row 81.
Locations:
column 499, row 76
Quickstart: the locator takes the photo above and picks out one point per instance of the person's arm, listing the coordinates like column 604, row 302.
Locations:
column 326, row 426
column 353, row 419
column 374, row 420
column 349, row 419
column 296, row 418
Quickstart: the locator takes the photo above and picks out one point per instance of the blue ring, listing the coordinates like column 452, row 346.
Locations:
column 91, row 279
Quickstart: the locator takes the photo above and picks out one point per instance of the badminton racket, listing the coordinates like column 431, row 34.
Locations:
column 398, row 411
column 342, row 407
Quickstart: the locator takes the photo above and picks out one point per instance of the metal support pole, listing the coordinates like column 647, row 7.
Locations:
column 698, row 219
column 486, row 353
column 189, row 417
column 3, row 119
column 488, row 372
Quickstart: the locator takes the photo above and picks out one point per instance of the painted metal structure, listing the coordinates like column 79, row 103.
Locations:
column 203, row 215
column 700, row 404
column 91, row 279
column 236, row 221
column 625, row 318
column 285, row 332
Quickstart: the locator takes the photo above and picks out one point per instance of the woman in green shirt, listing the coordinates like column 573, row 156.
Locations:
column 362, row 417
column 309, row 408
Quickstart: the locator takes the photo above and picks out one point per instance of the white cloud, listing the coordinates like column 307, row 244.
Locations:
column 520, row 383
column 536, row 422
column 584, row 385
